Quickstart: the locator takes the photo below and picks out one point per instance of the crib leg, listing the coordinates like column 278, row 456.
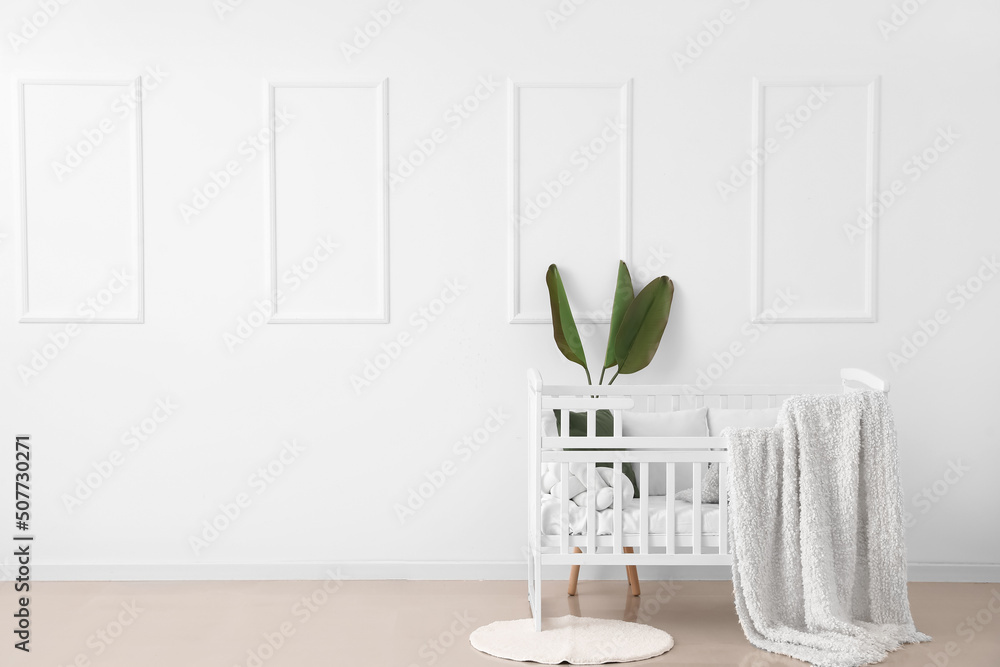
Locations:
column 574, row 574
column 632, row 573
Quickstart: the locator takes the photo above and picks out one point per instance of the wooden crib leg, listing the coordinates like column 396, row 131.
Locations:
column 574, row 574
column 632, row 573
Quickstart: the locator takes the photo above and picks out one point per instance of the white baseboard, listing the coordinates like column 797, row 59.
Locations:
column 433, row 570
column 987, row 573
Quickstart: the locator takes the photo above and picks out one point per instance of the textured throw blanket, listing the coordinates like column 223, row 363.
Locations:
column 819, row 563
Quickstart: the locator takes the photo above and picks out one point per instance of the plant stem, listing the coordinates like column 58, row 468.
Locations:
column 613, row 379
column 601, row 381
column 587, row 370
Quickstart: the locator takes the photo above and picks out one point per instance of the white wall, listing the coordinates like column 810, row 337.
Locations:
column 448, row 225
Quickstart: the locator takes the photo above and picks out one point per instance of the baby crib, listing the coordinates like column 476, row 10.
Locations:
column 666, row 545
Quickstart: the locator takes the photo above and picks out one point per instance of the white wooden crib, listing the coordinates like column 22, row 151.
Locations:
column 644, row 547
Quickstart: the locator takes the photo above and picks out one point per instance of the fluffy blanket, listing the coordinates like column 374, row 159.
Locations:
column 819, row 562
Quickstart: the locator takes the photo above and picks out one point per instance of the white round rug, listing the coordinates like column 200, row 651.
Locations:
column 578, row 641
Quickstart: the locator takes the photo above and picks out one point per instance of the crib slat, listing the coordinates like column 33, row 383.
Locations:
column 564, row 423
column 671, row 508
column 644, row 507
column 675, row 402
column 618, row 506
column 651, row 404
column 592, row 423
column 696, row 473
column 591, row 508
column 618, row 423
column 723, row 509
column 772, row 401
column 564, row 508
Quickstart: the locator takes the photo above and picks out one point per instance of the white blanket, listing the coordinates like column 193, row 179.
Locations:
column 656, row 518
column 819, row 562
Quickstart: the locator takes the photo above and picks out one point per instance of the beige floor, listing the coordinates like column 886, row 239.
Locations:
column 423, row 624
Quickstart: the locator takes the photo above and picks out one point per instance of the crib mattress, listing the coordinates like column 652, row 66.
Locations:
column 683, row 515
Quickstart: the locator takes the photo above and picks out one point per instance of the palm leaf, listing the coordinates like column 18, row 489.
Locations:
column 624, row 295
column 642, row 326
column 563, row 325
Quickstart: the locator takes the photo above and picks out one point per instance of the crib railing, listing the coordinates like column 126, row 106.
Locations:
column 647, row 547
column 644, row 451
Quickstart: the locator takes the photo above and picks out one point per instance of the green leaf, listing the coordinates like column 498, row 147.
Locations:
column 624, row 295
column 642, row 326
column 605, row 427
column 563, row 325
column 604, row 423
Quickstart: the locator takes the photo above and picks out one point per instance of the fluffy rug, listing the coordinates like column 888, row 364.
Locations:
column 578, row 641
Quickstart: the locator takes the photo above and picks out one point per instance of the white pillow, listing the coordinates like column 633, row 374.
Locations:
column 677, row 423
column 709, row 487
column 603, row 493
column 720, row 419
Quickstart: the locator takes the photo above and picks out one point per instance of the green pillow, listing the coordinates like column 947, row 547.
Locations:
column 605, row 429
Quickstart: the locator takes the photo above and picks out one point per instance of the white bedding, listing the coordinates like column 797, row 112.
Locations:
column 552, row 506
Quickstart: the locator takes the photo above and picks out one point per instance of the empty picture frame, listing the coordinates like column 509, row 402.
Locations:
column 816, row 182
column 81, row 201
column 570, row 194
column 328, row 260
